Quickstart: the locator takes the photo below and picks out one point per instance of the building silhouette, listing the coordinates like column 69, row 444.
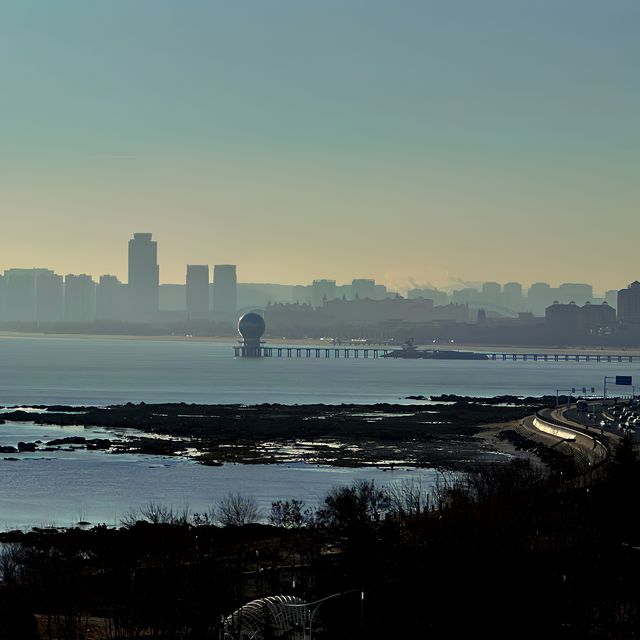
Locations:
column 440, row 298
column 20, row 295
column 566, row 320
column 144, row 278
column 491, row 294
column 110, row 299
column 31, row 295
column 629, row 304
column 539, row 297
column 79, row 298
column 225, row 293
column 323, row 291
column 468, row 295
column 579, row 293
column 172, row 297
column 49, row 297
column 197, row 290
column 597, row 318
column 611, row 297
column 512, row 296
column 363, row 288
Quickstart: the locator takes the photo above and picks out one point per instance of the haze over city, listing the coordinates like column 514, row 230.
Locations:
column 319, row 319
column 409, row 142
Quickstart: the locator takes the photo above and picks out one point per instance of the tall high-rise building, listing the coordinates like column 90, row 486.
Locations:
column 363, row 288
column 49, row 297
column 3, row 288
column 573, row 292
column 79, row 298
column 539, row 297
column 468, row 295
column 322, row 291
column 20, row 295
column 32, row 295
column 110, row 299
column 629, row 304
column 172, row 297
column 611, row 298
column 301, row 293
column 225, row 293
column 197, row 289
column 491, row 294
column 512, row 296
column 144, row 277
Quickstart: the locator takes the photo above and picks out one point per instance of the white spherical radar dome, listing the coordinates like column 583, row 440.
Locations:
column 251, row 326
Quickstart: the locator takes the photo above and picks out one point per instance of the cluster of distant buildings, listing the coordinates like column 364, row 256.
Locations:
column 568, row 314
column 42, row 297
column 212, row 298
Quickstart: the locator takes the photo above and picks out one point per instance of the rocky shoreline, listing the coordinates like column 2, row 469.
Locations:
column 440, row 434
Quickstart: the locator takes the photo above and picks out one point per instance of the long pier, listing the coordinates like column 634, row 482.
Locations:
column 565, row 357
column 264, row 351
column 314, row 352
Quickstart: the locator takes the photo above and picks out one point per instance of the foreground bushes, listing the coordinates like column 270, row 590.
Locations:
column 505, row 552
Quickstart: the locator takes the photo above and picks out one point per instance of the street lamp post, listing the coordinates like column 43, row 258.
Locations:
column 570, row 392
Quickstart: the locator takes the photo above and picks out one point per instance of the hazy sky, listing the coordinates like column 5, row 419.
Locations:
column 406, row 140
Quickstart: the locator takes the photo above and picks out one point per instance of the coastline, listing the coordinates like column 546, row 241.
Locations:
column 435, row 435
column 275, row 341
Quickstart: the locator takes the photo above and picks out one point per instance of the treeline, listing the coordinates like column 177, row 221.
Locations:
column 506, row 551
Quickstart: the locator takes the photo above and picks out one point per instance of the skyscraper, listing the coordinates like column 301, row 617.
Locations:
column 468, row 295
column 491, row 293
column 573, row 292
column 20, row 295
column 32, row 295
column 144, row 277
column 363, row 288
column 611, row 297
column 629, row 304
column 110, row 299
column 321, row 291
column 79, row 298
column 539, row 297
column 3, row 287
column 225, row 293
column 512, row 296
column 49, row 297
column 197, row 290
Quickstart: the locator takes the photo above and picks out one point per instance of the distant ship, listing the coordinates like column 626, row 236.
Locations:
column 410, row 351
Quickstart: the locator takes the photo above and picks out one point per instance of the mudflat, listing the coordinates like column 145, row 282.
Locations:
column 438, row 434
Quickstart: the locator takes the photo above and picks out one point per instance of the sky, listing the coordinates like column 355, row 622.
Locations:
column 414, row 141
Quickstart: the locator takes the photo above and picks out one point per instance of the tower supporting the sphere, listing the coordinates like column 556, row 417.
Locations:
column 251, row 327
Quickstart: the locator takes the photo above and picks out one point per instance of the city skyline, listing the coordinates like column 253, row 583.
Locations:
column 453, row 285
column 312, row 312
column 333, row 140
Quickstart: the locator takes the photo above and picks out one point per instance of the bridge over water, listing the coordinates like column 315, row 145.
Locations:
column 313, row 352
column 566, row 357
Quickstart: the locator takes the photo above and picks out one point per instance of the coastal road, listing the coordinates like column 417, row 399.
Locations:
column 590, row 443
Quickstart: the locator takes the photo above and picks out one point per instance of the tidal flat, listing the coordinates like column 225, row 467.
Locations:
column 439, row 434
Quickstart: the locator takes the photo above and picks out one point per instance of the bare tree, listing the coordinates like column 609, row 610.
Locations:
column 155, row 514
column 290, row 514
column 236, row 510
column 410, row 498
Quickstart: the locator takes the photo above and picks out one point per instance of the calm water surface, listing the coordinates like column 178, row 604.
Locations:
column 65, row 487
column 47, row 370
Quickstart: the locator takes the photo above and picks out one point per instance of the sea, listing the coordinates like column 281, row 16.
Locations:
column 63, row 488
